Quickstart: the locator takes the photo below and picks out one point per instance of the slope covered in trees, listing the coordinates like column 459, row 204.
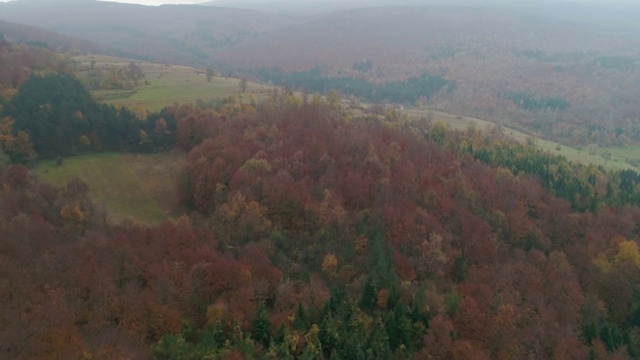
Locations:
column 37, row 36
column 186, row 34
column 564, row 72
column 320, row 236
column 59, row 117
column 567, row 72
column 391, row 218
column 17, row 62
column 315, row 235
column 412, row 90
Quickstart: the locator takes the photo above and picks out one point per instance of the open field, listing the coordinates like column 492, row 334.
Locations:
column 141, row 187
column 166, row 84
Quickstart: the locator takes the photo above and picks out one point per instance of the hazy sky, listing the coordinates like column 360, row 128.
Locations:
column 160, row 2
column 149, row 2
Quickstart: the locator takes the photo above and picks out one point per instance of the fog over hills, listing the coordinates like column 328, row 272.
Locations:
column 335, row 180
column 580, row 56
column 20, row 33
column 310, row 7
column 169, row 33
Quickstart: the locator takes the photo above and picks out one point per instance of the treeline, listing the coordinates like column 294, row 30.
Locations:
column 111, row 77
column 537, row 103
column 585, row 187
column 407, row 91
column 362, row 66
column 58, row 116
column 618, row 62
column 17, row 62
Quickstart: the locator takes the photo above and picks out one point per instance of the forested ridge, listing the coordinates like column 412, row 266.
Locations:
column 45, row 112
column 61, row 118
column 314, row 234
column 411, row 90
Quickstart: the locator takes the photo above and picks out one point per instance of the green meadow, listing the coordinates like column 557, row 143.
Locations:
column 142, row 187
column 166, row 84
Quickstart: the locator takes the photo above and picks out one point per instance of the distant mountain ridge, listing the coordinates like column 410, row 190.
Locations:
column 186, row 34
column 508, row 59
column 20, row 33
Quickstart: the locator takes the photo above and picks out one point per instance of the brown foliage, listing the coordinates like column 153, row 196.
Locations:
column 284, row 194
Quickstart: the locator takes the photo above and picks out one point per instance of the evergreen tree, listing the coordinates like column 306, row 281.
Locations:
column 300, row 322
column 262, row 327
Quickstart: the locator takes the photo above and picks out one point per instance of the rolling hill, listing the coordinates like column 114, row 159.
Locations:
column 567, row 72
column 311, row 233
column 185, row 34
column 571, row 81
column 164, row 84
column 20, row 33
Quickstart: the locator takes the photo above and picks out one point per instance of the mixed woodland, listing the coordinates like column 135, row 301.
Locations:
column 314, row 234
column 566, row 72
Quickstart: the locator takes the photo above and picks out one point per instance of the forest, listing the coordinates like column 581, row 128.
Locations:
column 60, row 118
column 410, row 91
column 313, row 234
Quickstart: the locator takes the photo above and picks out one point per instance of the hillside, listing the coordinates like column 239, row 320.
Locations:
column 571, row 81
column 308, row 8
column 170, row 33
column 311, row 230
column 129, row 187
column 317, row 236
column 162, row 84
column 567, row 72
column 20, row 33
column 165, row 84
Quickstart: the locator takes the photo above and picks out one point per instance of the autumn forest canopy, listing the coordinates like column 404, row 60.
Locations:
column 321, row 221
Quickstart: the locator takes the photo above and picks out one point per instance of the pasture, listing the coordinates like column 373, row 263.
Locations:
column 164, row 84
column 141, row 187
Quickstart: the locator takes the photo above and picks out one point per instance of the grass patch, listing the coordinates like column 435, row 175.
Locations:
column 166, row 84
column 613, row 158
column 628, row 156
column 122, row 183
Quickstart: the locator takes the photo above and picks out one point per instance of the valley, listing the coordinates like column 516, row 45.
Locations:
column 358, row 179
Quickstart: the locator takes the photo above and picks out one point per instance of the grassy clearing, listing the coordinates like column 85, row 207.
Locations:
column 625, row 157
column 166, row 84
column 159, row 175
column 137, row 187
column 618, row 158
